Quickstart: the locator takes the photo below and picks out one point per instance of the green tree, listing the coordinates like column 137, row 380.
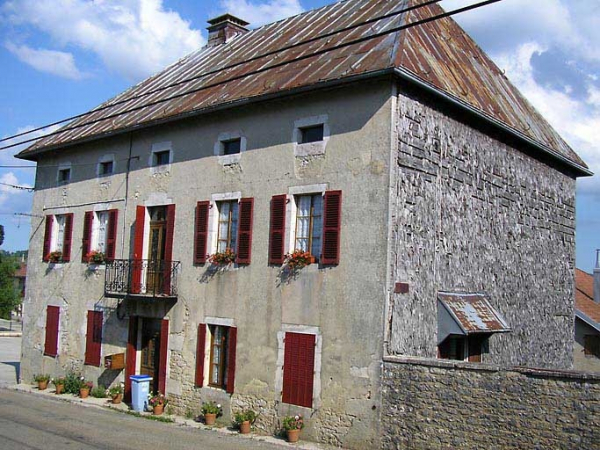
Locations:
column 9, row 295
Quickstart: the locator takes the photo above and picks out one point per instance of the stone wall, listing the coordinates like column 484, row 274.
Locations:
column 429, row 404
column 471, row 213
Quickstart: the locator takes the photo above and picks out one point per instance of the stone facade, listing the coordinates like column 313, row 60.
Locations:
column 471, row 213
column 431, row 404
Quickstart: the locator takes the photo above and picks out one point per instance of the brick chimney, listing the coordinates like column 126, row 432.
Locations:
column 597, row 278
column 223, row 28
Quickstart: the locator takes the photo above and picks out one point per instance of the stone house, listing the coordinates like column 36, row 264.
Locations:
column 586, row 352
column 398, row 158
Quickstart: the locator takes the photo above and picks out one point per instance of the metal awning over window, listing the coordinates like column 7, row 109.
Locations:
column 467, row 314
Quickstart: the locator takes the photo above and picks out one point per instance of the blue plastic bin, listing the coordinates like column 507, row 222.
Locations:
column 140, row 388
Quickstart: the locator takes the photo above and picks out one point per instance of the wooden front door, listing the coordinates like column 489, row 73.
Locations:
column 156, row 249
column 150, row 347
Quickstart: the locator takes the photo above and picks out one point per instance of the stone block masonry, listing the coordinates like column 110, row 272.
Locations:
column 429, row 404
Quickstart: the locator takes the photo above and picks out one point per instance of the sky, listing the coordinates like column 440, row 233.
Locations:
column 59, row 58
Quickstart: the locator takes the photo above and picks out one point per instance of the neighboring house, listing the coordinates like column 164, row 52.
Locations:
column 586, row 354
column 423, row 185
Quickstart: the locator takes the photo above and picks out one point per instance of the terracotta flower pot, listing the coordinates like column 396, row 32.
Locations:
column 210, row 419
column 42, row 385
column 293, row 435
column 245, row 427
column 157, row 410
column 117, row 399
column 84, row 392
column 60, row 388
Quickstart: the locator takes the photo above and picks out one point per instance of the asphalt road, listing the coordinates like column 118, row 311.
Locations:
column 29, row 422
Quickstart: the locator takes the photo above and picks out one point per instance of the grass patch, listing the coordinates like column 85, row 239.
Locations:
column 150, row 417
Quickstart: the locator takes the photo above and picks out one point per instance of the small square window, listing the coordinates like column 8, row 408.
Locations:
column 232, row 147
column 161, row 158
column 311, row 134
column 106, row 168
column 64, row 175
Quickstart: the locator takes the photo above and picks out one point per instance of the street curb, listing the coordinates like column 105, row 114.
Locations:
column 102, row 403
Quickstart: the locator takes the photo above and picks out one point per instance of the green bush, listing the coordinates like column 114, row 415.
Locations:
column 72, row 383
column 98, row 392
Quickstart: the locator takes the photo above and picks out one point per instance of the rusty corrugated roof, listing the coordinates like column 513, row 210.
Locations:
column 439, row 53
column 473, row 312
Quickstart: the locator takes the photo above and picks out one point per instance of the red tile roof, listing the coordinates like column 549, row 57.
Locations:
column 584, row 295
column 439, row 54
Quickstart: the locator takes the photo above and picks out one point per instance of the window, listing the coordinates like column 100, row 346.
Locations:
column 106, row 168
column 52, row 321
column 57, row 237
column 215, row 358
column 311, row 134
column 459, row 348
column 309, row 223
column 161, row 158
column 64, row 176
column 298, row 369
column 93, row 340
column 232, row 147
column 591, row 345
column 99, row 234
column 227, row 227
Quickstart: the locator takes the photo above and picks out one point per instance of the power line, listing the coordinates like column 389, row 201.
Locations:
column 22, row 188
column 264, row 69
column 221, row 69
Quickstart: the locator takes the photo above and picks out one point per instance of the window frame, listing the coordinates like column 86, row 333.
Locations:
column 160, row 148
column 311, row 217
column 110, row 158
column 203, row 376
column 232, row 218
column 219, row 147
column 304, row 135
column 64, row 168
column 223, row 356
column 312, row 148
column 294, row 193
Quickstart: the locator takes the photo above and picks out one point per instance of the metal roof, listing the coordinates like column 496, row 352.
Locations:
column 473, row 313
column 438, row 53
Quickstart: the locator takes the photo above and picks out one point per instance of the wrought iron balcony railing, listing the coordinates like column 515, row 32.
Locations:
column 142, row 277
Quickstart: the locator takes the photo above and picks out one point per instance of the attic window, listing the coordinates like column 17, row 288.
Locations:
column 161, row 158
column 64, row 175
column 232, row 146
column 106, row 168
column 311, row 134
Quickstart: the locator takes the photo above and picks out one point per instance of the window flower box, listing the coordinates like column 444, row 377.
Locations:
column 222, row 258
column 95, row 257
column 54, row 257
column 298, row 259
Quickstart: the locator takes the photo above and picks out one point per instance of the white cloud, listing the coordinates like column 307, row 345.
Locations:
column 134, row 38
column 260, row 13
column 50, row 61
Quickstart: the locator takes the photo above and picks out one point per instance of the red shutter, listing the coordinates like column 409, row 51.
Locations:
column 47, row 238
column 332, row 218
column 231, row 350
column 200, row 346
column 162, row 361
column 201, row 232
column 244, row 239
column 111, row 235
column 68, row 237
column 86, row 242
column 277, row 229
column 93, row 342
column 131, row 355
column 138, row 248
column 52, row 319
column 298, row 369
column 168, row 249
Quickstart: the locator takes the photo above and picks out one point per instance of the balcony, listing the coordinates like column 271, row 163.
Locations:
column 141, row 278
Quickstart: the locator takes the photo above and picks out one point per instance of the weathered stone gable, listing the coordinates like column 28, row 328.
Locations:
column 471, row 213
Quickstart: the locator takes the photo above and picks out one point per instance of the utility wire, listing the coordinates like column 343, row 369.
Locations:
column 23, row 188
column 264, row 69
column 227, row 67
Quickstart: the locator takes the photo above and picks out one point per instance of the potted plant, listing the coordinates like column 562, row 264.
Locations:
column 54, row 257
column 222, row 258
column 59, row 384
column 211, row 411
column 298, row 259
column 116, row 394
column 244, row 420
column 292, row 426
column 95, row 257
column 85, row 387
column 42, row 381
column 157, row 402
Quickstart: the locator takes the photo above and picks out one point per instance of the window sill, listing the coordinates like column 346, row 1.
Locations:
column 229, row 160
column 164, row 169
column 309, row 149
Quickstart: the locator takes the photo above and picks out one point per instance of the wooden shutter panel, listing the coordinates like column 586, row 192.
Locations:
column 130, row 356
column 68, row 237
column 277, row 229
column 111, row 235
column 164, row 348
column 47, row 237
column 93, row 342
column 231, row 353
column 168, row 249
column 201, row 232
column 86, row 242
column 298, row 369
column 52, row 321
column 332, row 218
column 138, row 248
column 200, row 346
column 244, row 239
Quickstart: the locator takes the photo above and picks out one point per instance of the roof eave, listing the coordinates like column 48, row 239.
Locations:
column 406, row 75
column 583, row 317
